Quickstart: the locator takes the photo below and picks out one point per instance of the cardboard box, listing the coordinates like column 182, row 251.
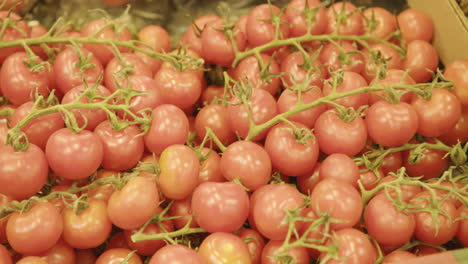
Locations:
column 451, row 27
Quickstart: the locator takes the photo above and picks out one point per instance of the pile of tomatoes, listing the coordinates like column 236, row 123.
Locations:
column 311, row 133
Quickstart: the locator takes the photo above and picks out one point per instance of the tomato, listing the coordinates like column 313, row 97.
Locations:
column 289, row 156
column 224, row 248
column 391, row 125
column 134, row 204
column 331, row 57
column 169, row 125
column 227, row 200
column 392, row 77
column 19, row 31
column 210, row 168
column 341, row 168
column 63, row 148
column 407, row 191
column 191, row 38
column 457, row 72
column 306, row 183
column 115, row 72
column 115, row 3
column 158, row 39
column 22, row 173
column 92, row 117
column 38, row 31
column 459, row 132
column 391, row 163
column 426, row 230
column 32, row 260
column 183, row 210
column 437, row 115
column 61, row 253
column 249, row 70
column 61, row 202
column 415, row 25
column 462, row 233
column 421, row 60
column 368, row 178
column 19, row 83
column 214, row 116
column 290, row 99
column 175, row 254
column 117, row 241
column 3, row 132
column 247, row 162
column 398, row 256
column 16, row 4
column 351, row 81
column 42, row 221
column 335, row 135
column 217, row 48
column 39, row 129
column 67, row 69
column 339, row 199
column 102, row 192
column 117, row 255
column 354, row 247
column 121, row 149
column 299, row 255
column 351, row 25
column 262, row 108
column 255, row 243
column 294, row 74
column 269, row 210
column 182, row 89
column 179, row 171
column 393, row 60
column 432, row 164
column 379, row 23
column 261, row 30
column 85, row 256
column 149, row 247
column 103, row 29
column 4, row 201
column 315, row 235
column 5, row 257
column 211, row 92
column 298, row 21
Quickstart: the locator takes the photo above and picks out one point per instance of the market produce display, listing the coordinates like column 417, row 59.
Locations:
column 315, row 133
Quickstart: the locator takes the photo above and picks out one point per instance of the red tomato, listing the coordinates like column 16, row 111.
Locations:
column 294, row 74
column 85, row 256
column 92, row 117
column 339, row 199
column 379, row 23
column 393, row 60
column 121, row 149
column 169, row 125
column 432, row 164
column 392, row 77
column 331, row 56
column 39, row 129
column 67, row 70
column 32, row 260
column 43, row 222
column 191, row 38
column 4, row 201
column 249, row 70
column 210, row 168
column 3, row 132
column 134, row 204
column 149, row 247
column 398, row 256
column 224, row 248
column 214, row 116
column 290, row 99
column 462, row 233
column 354, row 247
column 183, row 210
column 117, row 241
column 426, row 230
column 61, row 253
column 457, row 72
column 437, row 115
column 341, row 168
column 89, row 228
column 299, row 255
column 255, row 243
column 102, row 192
column 211, row 92
column 352, row 25
column 227, row 200
column 407, row 191
column 262, row 107
column 391, row 125
column 298, row 21
column 391, row 163
column 385, row 223
column 368, row 178
column 351, row 81
column 150, row 98
column 306, row 183
column 259, row 28
column 421, row 60
column 459, row 132
column 247, row 162
column 335, row 135
column 22, row 173
column 314, row 234
column 5, row 257
column 175, row 254
column 289, row 156
column 158, row 39
column 19, row 83
column 117, row 255
column 102, row 29
column 269, row 209
column 415, row 25
column 19, row 31
column 114, row 74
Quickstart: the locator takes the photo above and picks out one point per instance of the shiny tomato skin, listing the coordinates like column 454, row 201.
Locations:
column 439, row 114
column 158, row 39
column 421, row 60
column 306, row 183
column 32, row 260
column 10, row 33
column 210, row 168
column 190, row 39
column 248, row 162
column 117, row 255
column 392, row 77
column 294, row 74
column 432, row 164
column 43, row 222
column 337, row 136
column 136, row 66
column 175, row 254
column 386, row 52
column 214, row 116
column 102, row 192
column 169, row 125
column 290, row 99
column 351, row 81
column 149, row 247
column 462, row 233
column 255, row 244
column 298, row 254
column 22, row 173
column 354, row 246
column 407, row 191
column 354, row 21
column 289, row 156
column 183, row 210
column 341, row 168
column 224, row 248
column 415, row 25
column 398, row 256
column 60, row 253
column 385, row 22
column 298, row 22
column 391, row 125
column 457, row 73
column 459, row 132
column 330, row 58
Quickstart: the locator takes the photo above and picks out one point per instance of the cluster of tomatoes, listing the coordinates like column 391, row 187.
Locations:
column 332, row 137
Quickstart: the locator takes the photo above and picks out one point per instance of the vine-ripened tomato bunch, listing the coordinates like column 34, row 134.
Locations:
column 314, row 132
